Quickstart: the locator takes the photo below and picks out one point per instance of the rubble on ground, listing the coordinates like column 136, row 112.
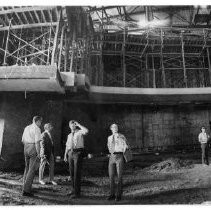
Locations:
column 170, row 164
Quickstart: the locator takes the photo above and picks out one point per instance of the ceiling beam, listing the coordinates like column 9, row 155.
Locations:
column 34, row 25
column 26, row 9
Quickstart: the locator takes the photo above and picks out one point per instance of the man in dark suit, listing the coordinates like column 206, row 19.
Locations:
column 47, row 154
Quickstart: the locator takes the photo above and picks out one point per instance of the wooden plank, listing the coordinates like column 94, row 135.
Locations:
column 25, row 18
column 43, row 15
column 32, row 18
column 37, row 16
column 33, row 25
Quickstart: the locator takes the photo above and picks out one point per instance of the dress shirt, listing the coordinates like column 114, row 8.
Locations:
column 31, row 134
column 117, row 143
column 203, row 138
column 75, row 140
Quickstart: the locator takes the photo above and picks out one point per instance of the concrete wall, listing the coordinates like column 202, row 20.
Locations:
column 145, row 127
column 17, row 112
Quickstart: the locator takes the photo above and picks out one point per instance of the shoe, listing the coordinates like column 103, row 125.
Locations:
column 53, row 183
column 27, row 194
column 42, row 182
column 118, row 198
column 111, row 197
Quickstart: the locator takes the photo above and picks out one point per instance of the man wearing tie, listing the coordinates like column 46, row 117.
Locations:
column 31, row 140
column 74, row 155
column 117, row 146
column 47, row 154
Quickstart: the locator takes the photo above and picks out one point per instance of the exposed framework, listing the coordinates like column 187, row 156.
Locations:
column 157, row 58
column 44, row 36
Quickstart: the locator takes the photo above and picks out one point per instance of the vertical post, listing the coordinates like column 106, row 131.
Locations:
column 183, row 61
column 73, row 50
column 6, row 47
column 61, row 46
column 66, row 52
column 153, row 71
column 101, row 76
column 147, row 71
column 209, row 63
column 123, row 58
column 49, row 46
column 161, row 59
column 56, row 39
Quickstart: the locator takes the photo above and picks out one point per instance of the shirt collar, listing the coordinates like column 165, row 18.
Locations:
column 35, row 125
column 48, row 132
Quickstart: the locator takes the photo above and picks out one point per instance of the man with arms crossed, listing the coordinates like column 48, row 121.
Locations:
column 31, row 140
column 47, row 154
column 74, row 155
column 117, row 146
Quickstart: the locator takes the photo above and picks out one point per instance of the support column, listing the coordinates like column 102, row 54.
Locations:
column 53, row 59
column 147, row 71
column 183, row 62
column 161, row 60
column 123, row 58
column 209, row 64
column 153, row 72
column 101, row 60
column 5, row 52
column 61, row 46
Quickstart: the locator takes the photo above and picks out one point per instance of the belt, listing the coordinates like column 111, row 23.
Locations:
column 78, row 150
column 118, row 153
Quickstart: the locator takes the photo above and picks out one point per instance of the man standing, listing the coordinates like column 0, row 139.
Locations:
column 117, row 146
column 203, row 139
column 31, row 140
column 47, row 154
column 74, row 155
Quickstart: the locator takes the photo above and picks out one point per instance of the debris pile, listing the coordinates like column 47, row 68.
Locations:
column 171, row 164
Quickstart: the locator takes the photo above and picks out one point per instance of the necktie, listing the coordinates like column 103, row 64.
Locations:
column 113, row 144
column 72, row 140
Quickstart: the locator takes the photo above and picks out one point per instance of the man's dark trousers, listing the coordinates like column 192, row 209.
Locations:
column 116, row 161
column 204, row 149
column 75, row 160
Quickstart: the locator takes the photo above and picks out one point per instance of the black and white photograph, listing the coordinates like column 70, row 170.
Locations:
column 104, row 104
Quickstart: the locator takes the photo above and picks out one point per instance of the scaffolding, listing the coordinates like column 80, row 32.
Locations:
column 153, row 58
column 44, row 36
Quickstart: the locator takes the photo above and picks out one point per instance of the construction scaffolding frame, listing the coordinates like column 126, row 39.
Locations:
column 153, row 58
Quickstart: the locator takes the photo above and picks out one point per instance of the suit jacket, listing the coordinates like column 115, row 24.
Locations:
column 46, row 145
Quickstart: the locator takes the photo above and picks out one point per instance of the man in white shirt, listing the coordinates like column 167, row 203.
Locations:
column 47, row 154
column 74, row 155
column 203, row 139
column 117, row 146
column 31, row 140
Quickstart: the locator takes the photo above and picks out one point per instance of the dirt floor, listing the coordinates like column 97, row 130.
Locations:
column 150, row 179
